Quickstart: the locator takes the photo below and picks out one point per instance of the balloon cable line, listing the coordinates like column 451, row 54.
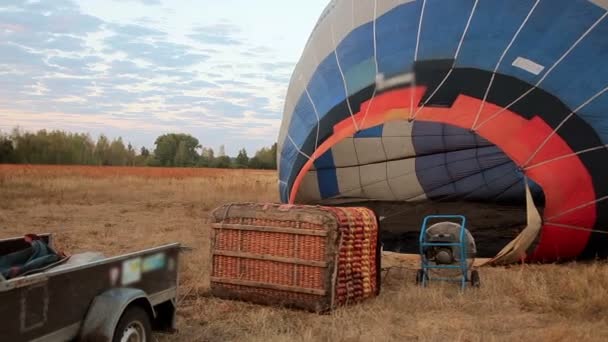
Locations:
column 504, row 53
column 317, row 62
column 562, row 123
column 350, row 109
column 296, row 146
column 445, row 78
column 385, row 168
column 359, row 169
column 572, row 227
column 584, row 205
column 563, row 56
column 371, row 101
column 591, row 149
column 314, row 108
column 416, row 59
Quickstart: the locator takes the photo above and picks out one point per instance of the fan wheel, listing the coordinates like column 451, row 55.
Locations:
column 420, row 276
column 475, row 280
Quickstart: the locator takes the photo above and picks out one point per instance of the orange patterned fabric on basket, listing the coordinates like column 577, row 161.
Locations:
column 309, row 257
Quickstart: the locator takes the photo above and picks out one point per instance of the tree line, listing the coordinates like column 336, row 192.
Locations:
column 171, row 150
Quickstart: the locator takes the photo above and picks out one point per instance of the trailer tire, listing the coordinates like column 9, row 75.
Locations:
column 134, row 325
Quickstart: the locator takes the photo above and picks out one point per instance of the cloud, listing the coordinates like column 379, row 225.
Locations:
column 136, row 31
column 188, row 100
column 62, row 68
column 66, row 86
column 43, row 41
column 234, row 83
column 145, row 2
column 278, row 78
column 67, row 21
column 13, row 86
column 159, row 53
column 217, row 34
column 200, row 84
column 73, row 65
column 48, row 5
column 16, row 55
column 127, row 67
column 271, row 66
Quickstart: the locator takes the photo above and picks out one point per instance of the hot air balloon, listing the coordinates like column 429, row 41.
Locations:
column 458, row 101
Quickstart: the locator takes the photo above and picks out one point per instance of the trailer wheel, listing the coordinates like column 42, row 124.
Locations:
column 134, row 326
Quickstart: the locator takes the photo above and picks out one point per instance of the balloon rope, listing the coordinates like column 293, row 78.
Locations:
column 565, row 156
column 316, row 114
column 584, row 205
column 504, row 53
column 390, row 188
column 562, row 123
column 371, row 101
column 416, row 59
column 286, row 188
column 350, row 109
column 360, row 188
column 574, row 45
column 464, row 33
column 568, row 226
column 296, row 146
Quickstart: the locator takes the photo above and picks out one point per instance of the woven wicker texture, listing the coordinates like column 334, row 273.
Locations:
column 309, row 257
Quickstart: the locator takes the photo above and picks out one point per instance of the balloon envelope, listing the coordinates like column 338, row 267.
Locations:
column 459, row 100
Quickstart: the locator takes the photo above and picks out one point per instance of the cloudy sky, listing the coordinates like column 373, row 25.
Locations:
column 217, row 69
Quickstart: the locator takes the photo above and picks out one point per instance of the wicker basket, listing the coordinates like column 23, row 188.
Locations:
column 310, row 257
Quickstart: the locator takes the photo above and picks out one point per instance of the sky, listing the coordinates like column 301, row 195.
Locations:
column 215, row 69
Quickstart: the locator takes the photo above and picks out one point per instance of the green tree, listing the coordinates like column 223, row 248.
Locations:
column 265, row 158
column 118, row 153
column 144, row 152
column 242, row 160
column 7, row 151
column 102, row 151
column 207, row 158
column 181, row 155
column 167, row 146
column 222, row 162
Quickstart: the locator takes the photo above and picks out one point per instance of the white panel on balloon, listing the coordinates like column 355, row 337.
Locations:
column 398, row 147
column 379, row 191
column 344, row 153
column 373, row 173
column 348, row 181
column 387, row 5
column 406, row 187
column 373, row 178
column 369, row 150
column 321, row 42
column 403, row 180
column 363, row 12
column 342, row 22
column 402, row 167
column 397, row 128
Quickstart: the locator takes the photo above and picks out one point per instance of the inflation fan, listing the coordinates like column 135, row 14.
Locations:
column 447, row 252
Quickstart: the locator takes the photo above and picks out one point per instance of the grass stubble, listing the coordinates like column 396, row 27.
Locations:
column 114, row 212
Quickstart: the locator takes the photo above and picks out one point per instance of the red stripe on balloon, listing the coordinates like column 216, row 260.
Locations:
column 566, row 182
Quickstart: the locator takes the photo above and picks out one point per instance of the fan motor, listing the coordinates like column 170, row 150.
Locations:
column 448, row 232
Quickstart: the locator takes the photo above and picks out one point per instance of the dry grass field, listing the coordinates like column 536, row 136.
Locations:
column 117, row 210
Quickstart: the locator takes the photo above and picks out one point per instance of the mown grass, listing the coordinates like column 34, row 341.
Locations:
column 117, row 214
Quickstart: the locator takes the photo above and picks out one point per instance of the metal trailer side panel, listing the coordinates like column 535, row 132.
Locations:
column 41, row 304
